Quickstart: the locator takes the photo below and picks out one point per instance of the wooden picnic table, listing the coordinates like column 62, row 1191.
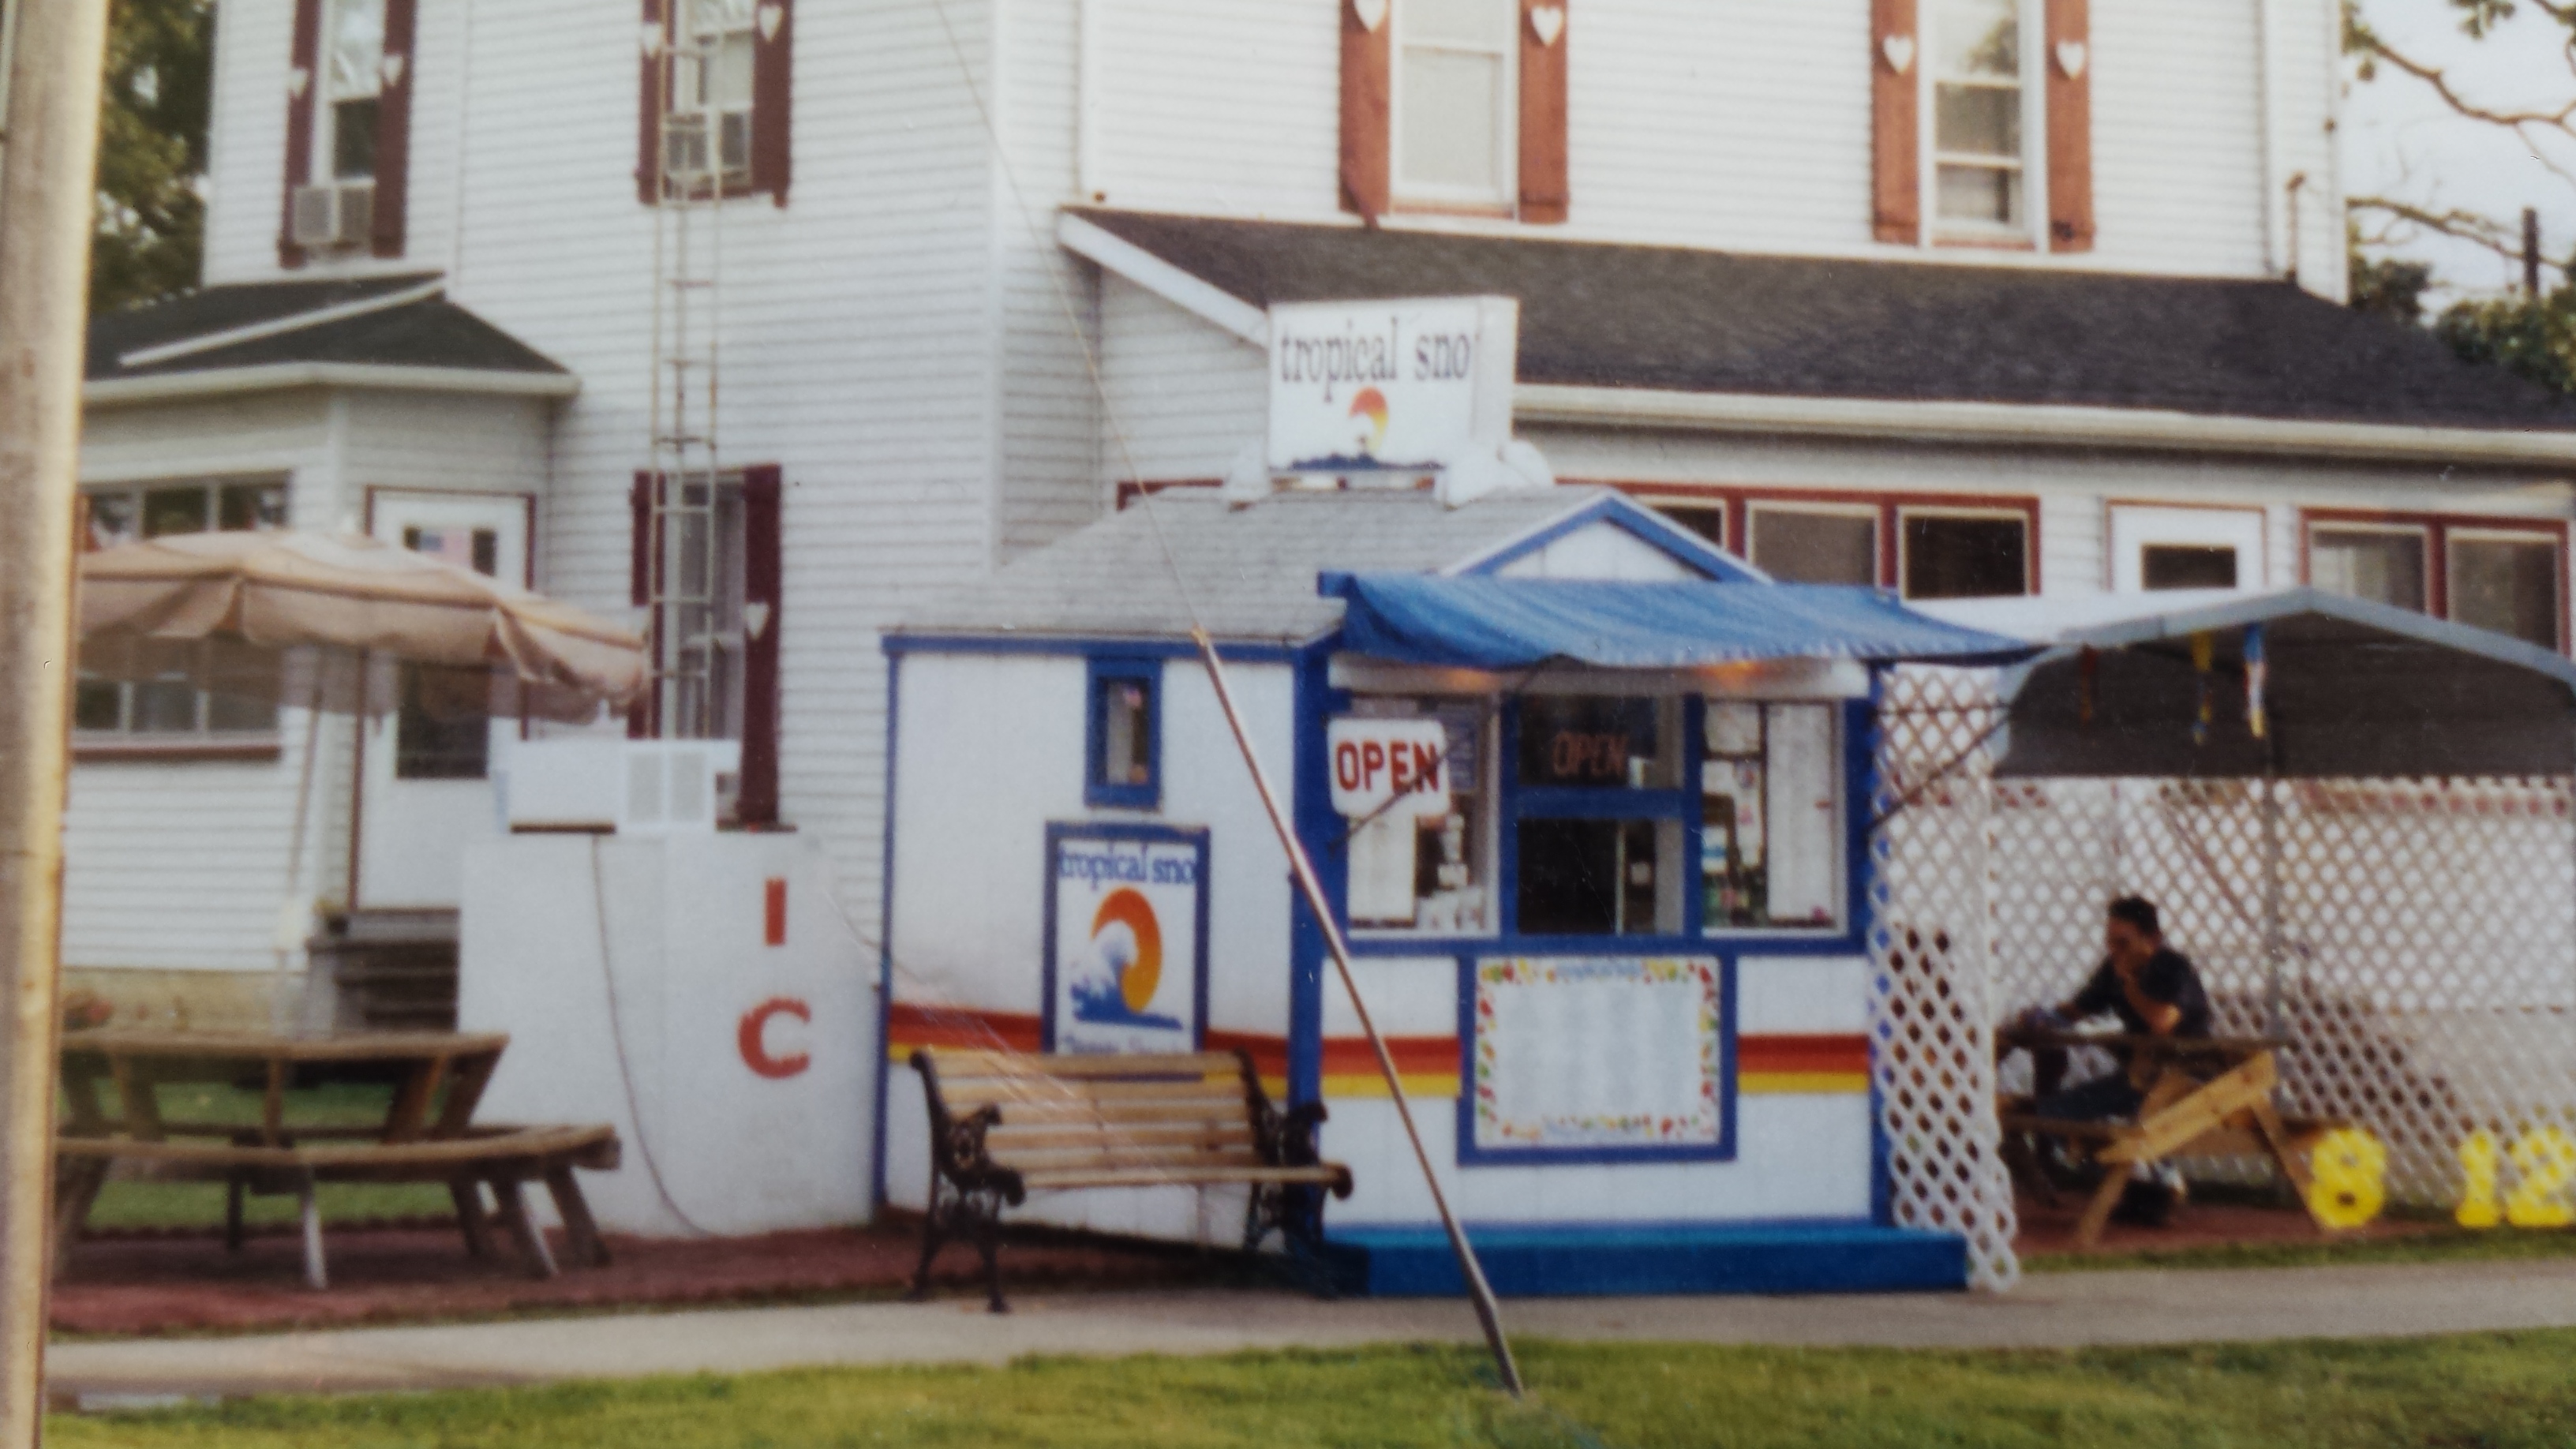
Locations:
column 428, row 1133
column 2208, row 1096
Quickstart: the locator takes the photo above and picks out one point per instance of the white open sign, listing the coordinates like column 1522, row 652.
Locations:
column 1378, row 761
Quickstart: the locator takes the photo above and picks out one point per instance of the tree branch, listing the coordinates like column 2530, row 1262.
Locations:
column 2468, row 226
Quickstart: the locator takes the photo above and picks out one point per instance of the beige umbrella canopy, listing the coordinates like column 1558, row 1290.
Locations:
column 336, row 620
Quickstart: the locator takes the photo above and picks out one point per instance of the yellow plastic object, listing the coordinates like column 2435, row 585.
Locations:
column 2348, row 1173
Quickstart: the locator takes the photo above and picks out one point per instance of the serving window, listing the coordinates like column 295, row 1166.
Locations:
column 1770, row 817
column 1599, row 821
column 1430, row 873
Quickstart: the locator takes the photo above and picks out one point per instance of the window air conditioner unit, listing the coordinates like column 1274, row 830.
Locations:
column 684, row 146
column 630, row 787
column 341, row 214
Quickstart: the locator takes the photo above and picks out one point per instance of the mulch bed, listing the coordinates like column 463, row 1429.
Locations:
column 181, row 1282
column 2199, row 1223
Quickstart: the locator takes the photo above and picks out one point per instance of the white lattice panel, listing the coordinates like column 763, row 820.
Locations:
column 2424, row 973
column 1931, row 947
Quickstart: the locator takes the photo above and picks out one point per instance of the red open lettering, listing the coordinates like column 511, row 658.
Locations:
column 1372, row 760
column 1346, row 765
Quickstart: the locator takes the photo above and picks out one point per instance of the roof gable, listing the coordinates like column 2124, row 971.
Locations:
column 1251, row 573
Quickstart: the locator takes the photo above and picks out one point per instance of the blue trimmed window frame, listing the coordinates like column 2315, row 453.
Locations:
column 1105, row 672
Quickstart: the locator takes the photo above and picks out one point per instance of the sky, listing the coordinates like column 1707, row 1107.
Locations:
column 2399, row 140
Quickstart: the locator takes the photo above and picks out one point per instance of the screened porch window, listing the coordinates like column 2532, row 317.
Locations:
column 171, row 710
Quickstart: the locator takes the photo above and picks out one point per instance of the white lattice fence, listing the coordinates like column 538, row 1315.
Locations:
column 2420, row 955
column 1931, row 947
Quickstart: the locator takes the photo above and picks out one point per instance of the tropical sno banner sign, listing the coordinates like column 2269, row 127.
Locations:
column 1600, row 1053
column 1127, row 940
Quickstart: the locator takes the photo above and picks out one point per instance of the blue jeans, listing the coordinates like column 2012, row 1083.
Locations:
column 2099, row 1100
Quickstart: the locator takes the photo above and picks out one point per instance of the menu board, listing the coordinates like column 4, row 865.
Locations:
column 1599, row 1053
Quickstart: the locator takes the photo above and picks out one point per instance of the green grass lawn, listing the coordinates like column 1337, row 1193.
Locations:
column 2492, row 1391
column 147, row 1204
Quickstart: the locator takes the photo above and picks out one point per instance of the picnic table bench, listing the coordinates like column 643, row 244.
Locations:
column 414, row 1143
column 1006, row 1124
column 2208, row 1097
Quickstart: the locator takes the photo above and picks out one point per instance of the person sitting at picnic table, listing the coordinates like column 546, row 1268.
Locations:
column 2152, row 988
column 2155, row 991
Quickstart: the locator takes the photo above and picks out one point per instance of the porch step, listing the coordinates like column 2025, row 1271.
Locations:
column 1547, row 1260
column 390, row 970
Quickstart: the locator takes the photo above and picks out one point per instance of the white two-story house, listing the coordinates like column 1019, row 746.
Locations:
column 1956, row 297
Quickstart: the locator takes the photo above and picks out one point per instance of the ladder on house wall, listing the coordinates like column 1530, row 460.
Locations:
column 687, row 583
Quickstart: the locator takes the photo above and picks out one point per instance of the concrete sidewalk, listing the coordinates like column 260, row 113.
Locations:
column 2047, row 1310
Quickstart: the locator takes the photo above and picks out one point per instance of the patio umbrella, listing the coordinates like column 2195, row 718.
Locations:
column 348, row 624
column 327, row 620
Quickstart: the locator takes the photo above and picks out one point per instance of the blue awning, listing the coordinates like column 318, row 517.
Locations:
column 1508, row 623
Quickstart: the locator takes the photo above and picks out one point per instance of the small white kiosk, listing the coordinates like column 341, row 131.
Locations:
column 1589, row 796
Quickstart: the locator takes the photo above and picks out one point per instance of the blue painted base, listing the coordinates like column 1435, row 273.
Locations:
column 1582, row 1259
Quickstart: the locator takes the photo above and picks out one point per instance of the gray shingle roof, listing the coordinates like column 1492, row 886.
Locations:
column 429, row 332
column 1706, row 321
column 1250, row 571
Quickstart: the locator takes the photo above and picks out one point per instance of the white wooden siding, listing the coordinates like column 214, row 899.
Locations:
column 1186, row 397
column 184, row 866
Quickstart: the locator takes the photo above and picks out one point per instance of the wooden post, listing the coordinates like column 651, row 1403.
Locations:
column 48, row 159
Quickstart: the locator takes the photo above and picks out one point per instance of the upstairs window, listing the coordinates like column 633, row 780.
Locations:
column 715, row 99
column 348, row 129
column 709, row 128
column 1454, row 101
column 171, row 711
column 1979, row 108
column 353, row 83
column 1123, row 741
column 1977, row 149
column 1456, row 105
column 2382, row 565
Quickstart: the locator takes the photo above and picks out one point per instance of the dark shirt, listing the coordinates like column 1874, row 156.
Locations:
column 2168, row 977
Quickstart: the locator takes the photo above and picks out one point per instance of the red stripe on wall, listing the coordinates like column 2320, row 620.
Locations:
column 1802, row 1054
column 909, row 1026
column 1269, row 1053
column 1350, row 1056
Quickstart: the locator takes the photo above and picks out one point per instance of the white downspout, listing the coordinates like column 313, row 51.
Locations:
column 2338, row 268
column 1088, row 183
column 2267, row 84
column 456, row 180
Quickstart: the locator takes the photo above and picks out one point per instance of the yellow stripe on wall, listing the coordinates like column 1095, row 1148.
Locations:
column 1774, row 1084
column 1372, row 1084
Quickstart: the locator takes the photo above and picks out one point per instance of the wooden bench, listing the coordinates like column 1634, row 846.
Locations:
column 2192, row 1109
column 412, row 1144
column 1006, row 1124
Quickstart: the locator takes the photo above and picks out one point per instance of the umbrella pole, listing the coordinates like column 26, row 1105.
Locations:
column 296, row 894
column 52, row 53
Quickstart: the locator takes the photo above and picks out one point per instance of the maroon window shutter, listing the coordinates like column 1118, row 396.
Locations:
column 653, row 50
column 773, row 73
column 1896, row 191
column 639, row 591
column 303, row 83
column 1368, row 85
column 393, row 131
column 1544, row 192
column 2069, row 64
column 756, row 802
